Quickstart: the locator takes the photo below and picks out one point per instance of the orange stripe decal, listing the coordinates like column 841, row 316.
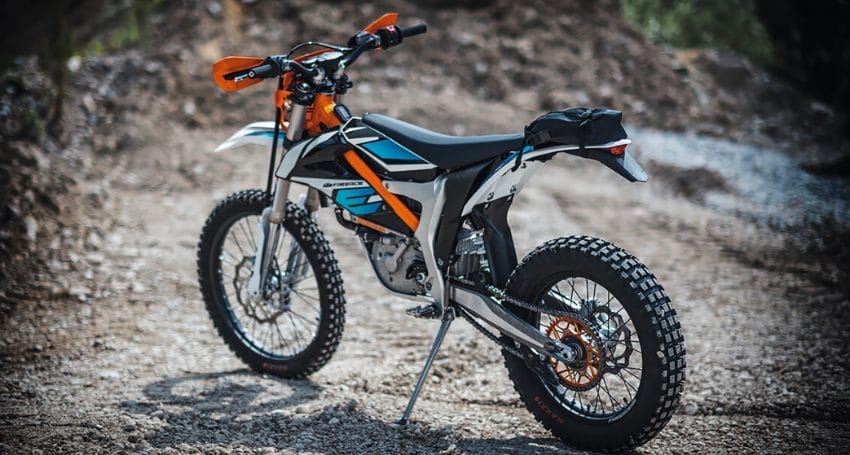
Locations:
column 374, row 181
column 370, row 224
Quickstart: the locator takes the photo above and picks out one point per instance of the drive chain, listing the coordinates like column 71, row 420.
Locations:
column 505, row 297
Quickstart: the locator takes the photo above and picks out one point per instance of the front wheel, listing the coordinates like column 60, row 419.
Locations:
column 295, row 327
column 626, row 383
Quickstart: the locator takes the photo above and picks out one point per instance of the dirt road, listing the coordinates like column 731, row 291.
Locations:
column 123, row 357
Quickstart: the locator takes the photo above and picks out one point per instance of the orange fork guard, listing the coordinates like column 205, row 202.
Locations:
column 374, row 181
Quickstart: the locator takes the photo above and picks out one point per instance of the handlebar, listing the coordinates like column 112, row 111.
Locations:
column 277, row 65
column 414, row 30
column 264, row 71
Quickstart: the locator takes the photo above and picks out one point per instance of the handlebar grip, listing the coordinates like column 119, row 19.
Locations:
column 414, row 30
column 264, row 71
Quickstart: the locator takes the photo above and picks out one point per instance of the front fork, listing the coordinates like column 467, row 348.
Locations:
column 269, row 226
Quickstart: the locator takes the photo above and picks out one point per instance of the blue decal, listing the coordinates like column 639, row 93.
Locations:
column 355, row 200
column 388, row 150
column 510, row 159
column 266, row 133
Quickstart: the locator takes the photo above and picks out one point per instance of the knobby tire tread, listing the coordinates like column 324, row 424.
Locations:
column 325, row 268
column 653, row 303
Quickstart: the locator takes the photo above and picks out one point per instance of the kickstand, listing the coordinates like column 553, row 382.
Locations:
column 448, row 317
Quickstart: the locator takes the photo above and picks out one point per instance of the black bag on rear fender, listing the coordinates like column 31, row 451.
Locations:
column 579, row 126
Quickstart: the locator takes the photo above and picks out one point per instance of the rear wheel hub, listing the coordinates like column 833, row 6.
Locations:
column 586, row 370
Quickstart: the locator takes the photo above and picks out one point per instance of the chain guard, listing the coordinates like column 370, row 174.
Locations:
column 612, row 362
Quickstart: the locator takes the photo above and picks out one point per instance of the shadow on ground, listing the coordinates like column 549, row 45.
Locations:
column 242, row 409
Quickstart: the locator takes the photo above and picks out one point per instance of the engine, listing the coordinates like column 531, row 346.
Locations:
column 471, row 254
column 399, row 263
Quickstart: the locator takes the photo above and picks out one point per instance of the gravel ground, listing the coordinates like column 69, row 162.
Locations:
column 116, row 353
column 121, row 356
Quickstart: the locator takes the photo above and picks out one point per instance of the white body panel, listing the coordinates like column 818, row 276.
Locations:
column 505, row 181
column 257, row 133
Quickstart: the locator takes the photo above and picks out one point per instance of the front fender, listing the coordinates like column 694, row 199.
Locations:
column 258, row 133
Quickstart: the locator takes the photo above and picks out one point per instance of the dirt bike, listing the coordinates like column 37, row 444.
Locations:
column 588, row 335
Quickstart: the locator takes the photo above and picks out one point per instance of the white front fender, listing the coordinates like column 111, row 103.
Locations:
column 259, row 133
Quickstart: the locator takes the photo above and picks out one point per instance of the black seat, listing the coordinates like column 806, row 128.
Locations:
column 446, row 152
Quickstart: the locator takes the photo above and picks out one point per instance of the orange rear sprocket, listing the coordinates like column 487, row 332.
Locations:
column 586, row 371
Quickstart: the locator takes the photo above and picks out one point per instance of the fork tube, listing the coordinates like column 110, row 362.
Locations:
column 293, row 133
column 273, row 160
column 313, row 201
column 281, row 193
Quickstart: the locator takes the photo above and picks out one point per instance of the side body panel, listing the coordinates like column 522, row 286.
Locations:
column 481, row 193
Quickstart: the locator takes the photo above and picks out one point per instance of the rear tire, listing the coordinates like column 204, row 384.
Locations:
column 660, row 345
column 222, row 275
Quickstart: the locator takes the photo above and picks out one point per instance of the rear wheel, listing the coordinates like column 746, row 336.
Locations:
column 295, row 327
column 626, row 383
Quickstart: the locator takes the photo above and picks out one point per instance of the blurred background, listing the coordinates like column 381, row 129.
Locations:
column 738, row 110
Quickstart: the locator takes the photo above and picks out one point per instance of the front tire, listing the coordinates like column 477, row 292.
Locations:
column 572, row 272
column 293, row 331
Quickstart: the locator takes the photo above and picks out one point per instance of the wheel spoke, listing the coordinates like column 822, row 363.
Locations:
column 264, row 324
column 602, row 336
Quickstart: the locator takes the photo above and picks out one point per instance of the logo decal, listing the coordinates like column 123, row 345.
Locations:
column 343, row 184
column 358, row 201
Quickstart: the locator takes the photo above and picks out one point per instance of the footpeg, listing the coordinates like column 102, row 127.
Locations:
column 432, row 311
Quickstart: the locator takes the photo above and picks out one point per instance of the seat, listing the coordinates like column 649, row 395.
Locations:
column 444, row 151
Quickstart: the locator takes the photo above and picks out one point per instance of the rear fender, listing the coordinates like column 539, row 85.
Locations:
column 258, row 133
column 624, row 164
column 507, row 179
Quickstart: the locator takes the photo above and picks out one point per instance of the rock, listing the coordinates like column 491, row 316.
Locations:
column 31, row 227
column 108, row 375
column 129, row 427
column 95, row 258
column 134, row 438
column 80, row 292
column 333, row 421
column 137, row 287
column 351, row 405
column 153, row 67
column 89, row 104
column 74, row 63
column 452, row 448
column 690, row 408
column 93, row 240
column 215, row 9
column 189, row 108
column 115, row 239
column 300, row 410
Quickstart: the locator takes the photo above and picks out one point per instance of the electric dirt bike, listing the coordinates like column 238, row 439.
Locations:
column 589, row 337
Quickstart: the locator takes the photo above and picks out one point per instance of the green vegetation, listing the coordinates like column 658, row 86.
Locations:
column 805, row 42
column 134, row 29
column 731, row 25
column 57, row 32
